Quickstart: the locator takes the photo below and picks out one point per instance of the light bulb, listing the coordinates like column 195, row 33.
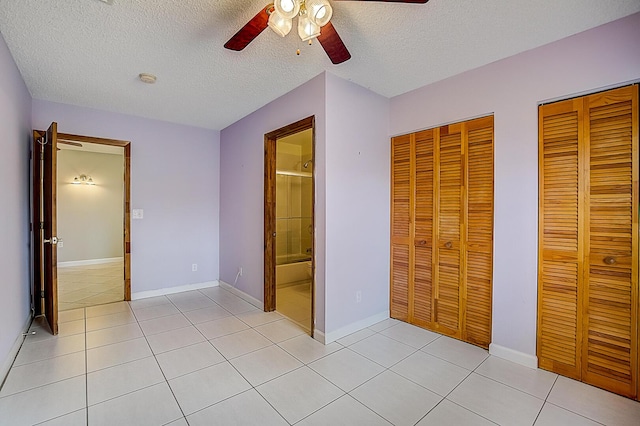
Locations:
column 279, row 24
column 307, row 29
column 319, row 11
column 287, row 8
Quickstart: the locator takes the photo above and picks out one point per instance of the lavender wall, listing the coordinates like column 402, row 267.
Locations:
column 15, row 139
column 174, row 178
column 352, row 197
column 511, row 89
column 242, row 188
column 357, row 206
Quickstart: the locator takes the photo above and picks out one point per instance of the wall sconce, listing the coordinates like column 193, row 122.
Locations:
column 83, row 179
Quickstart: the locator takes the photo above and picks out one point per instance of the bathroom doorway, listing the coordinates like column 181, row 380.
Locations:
column 289, row 223
column 90, row 224
column 44, row 216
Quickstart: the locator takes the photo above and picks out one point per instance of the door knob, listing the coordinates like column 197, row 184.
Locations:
column 53, row 241
column 448, row 244
column 609, row 260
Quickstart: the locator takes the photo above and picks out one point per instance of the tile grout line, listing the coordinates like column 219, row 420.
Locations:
column 85, row 333
column 460, row 383
column 546, row 401
column 277, row 344
column 241, row 375
column 158, row 365
column 454, row 388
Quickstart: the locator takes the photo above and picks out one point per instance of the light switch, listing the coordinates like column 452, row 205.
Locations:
column 137, row 214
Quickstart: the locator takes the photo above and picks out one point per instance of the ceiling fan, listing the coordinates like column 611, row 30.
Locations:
column 314, row 18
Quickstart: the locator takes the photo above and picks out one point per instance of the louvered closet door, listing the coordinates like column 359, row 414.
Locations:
column 588, row 267
column 423, row 241
column 401, row 228
column 610, row 356
column 561, row 252
column 479, row 230
column 448, row 165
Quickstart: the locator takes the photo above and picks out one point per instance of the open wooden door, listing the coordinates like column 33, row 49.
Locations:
column 270, row 224
column 45, row 242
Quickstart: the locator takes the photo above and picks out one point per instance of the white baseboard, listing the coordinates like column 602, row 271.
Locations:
column 172, row 290
column 11, row 356
column 319, row 336
column 521, row 358
column 255, row 302
column 332, row 336
column 89, row 262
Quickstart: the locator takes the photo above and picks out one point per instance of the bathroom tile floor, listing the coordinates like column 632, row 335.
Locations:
column 207, row 357
column 89, row 285
column 294, row 302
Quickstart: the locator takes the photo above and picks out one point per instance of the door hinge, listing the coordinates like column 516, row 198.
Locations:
column 42, row 294
column 41, row 225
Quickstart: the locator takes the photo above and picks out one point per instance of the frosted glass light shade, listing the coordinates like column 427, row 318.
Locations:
column 307, row 29
column 319, row 11
column 279, row 24
column 287, row 8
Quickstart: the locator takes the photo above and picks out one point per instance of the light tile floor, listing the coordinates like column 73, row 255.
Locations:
column 209, row 358
column 89, row 285
column 294, row 302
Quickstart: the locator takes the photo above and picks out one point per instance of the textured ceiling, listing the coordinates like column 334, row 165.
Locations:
column 89, row 53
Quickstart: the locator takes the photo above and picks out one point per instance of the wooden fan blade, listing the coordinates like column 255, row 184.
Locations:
column 333, row 45
column 250, row 31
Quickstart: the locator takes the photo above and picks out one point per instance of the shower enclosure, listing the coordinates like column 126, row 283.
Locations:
column 294, row 225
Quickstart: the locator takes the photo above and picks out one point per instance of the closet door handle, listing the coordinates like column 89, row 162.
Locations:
column 609, row 260
column 448, row 244
column 422, row 242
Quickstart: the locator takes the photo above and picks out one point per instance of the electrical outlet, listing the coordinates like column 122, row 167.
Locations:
column 358, row 296
column 194, row 267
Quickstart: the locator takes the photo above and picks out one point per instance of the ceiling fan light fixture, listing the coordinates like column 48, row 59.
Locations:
column 319, row 11
column 279, row 24
column 307, row 29
column 287, row 8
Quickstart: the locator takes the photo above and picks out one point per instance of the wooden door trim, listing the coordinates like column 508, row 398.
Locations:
column 270, row 140
column 126, row 145
column 36, row 238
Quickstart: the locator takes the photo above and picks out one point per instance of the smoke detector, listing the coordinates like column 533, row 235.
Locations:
column 147, row 78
